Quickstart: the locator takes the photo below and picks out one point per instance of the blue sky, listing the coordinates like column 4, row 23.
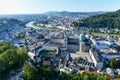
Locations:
column 40, row 6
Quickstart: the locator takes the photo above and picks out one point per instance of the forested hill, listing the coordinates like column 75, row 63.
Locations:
column 6, row 23
column 108, row 20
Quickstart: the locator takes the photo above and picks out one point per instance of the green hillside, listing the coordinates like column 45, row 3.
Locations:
column 109, row 20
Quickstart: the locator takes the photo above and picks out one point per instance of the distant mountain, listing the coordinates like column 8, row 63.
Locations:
column 50, row 12
column 66, row 13
column 109, row 20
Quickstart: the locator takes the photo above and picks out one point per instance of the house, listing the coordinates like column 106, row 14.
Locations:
column 97, row 59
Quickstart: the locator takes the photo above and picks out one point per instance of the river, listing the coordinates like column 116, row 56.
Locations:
column 30, row 24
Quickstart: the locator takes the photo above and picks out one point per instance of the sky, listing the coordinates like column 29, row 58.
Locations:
column 40, row 6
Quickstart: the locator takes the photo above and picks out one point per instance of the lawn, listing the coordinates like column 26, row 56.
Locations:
column 103, row 34
column 52, row 52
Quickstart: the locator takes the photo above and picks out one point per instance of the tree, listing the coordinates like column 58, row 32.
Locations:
column 114, row 63
column 30, row 72
column 39, row 73
column 11, row 58
column 65, row 76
